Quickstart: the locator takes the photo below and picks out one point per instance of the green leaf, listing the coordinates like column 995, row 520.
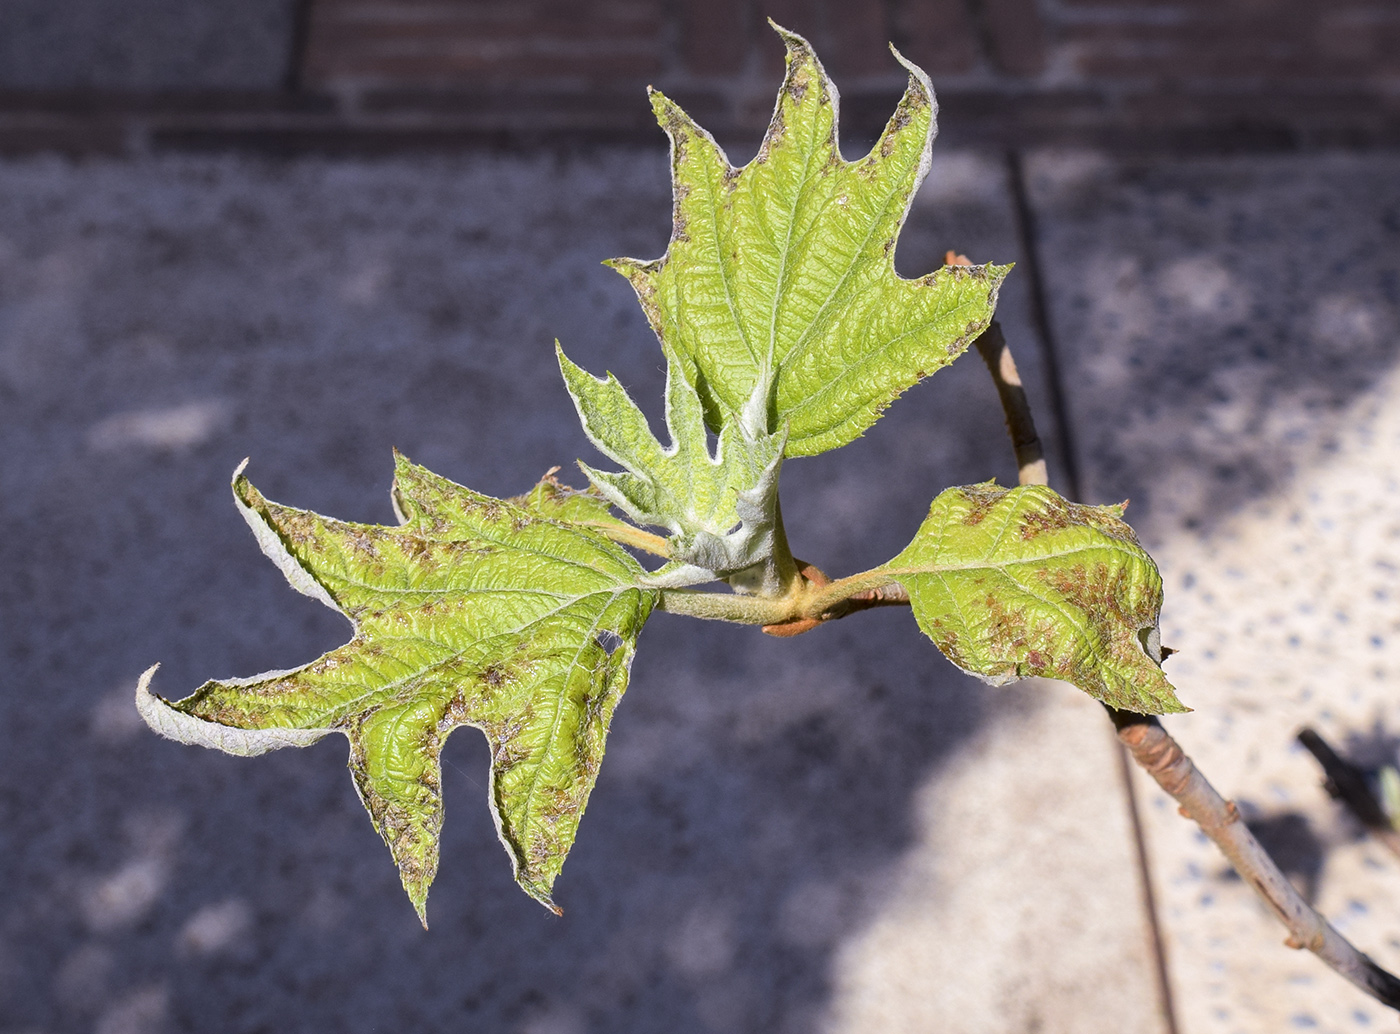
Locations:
column 779, row 284
column 1016, row 582
column 720, row 508
column 475, row 611
column 557, row 501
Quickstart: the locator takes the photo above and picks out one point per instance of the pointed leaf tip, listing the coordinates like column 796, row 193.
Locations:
column 788, row 36
column 176, row 723
column 476, row 611
column 779, row 278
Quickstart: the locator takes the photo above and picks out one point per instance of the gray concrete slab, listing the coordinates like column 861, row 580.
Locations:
column 1230, row 332
column 829, row 833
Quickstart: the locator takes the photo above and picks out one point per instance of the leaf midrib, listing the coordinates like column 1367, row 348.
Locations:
column 353, row 705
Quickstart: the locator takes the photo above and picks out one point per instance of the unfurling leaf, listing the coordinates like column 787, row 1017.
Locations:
column 589, row 507
column 779, row 285
column 475, row 611
column 1016, row 582
column 720, row 509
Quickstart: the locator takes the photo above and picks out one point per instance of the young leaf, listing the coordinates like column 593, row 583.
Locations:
column 779, row 283
column 720, row 509
column 550, row 498
column 475, row 611
column 1016, row 582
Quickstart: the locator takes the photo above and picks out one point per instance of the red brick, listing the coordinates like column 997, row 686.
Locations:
column 1298, row 40
column 463, row 43
column 715, row 36
column 1017, row 36
column 801, row 16
column 937, row 35
column 858, row 37
column 446, row 70
column 369, row 34
column 506, row 10
column 454, row 69
column 851, row 36
column 444, row 42
column 468, row 17
column 1258, row 8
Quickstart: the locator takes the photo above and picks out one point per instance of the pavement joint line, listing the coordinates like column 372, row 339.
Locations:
column 1027, row 238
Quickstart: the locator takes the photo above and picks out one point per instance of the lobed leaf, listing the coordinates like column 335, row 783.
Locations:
column 557, row 501
column 779, row 286
column 475, row 611
column 1016, row 582
column 720, row 508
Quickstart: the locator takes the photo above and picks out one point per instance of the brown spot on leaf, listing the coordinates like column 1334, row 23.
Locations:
column 1115, row 609
column 903, row 115
column 982, row 499
column 1055, row 516
column 676, row 125
column 503, row 737
column 454, row 714
column 776, row 129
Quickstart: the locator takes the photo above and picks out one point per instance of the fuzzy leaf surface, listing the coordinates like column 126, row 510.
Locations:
column 1017, row 582
column 552, row 499
column 779, row 283
column 475, row 611
column 719, row 508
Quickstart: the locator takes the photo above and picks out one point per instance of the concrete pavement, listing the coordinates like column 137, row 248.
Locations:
column 836, row 833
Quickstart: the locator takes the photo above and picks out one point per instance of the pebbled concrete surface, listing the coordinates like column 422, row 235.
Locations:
column 1230, row 332
column 835, row 833
column 838, row 832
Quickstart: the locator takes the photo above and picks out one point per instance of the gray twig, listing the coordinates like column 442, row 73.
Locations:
column 1162, row 758
column 1030, row 454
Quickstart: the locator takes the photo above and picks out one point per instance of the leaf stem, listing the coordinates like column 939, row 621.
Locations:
column 728, row 606
column 785, row 567
column 1161, row 757
column 807, row 599
column 1030, row 454
column 657, row 545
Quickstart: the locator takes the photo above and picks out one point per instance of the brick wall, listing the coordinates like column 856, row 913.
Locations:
column 1153, row 62
column 1231, row 41
column 460, row 43
column 391, row 72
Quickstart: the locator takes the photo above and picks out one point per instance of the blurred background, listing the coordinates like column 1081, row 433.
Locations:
column 308, row 232
column 89, row 75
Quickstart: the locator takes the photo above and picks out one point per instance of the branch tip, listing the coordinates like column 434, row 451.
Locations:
column 1157, row 753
